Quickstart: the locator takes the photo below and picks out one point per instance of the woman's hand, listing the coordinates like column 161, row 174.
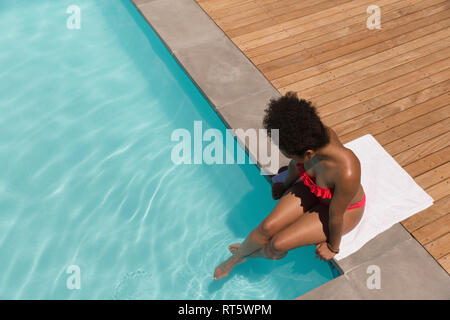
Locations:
column 323, row 252
column 277, row 190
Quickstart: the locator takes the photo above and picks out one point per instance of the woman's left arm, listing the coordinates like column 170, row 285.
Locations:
column 345, row 189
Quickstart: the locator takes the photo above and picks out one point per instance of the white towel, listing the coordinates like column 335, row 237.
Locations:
column 392, row 195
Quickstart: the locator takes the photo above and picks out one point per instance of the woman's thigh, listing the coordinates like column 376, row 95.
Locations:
column 292, row 205
column 312, row 228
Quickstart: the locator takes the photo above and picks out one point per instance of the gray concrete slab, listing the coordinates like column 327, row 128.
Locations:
column 248, row 113
column 339, row 288
column 222, row 71
column 382, row 243
column 181, row 23
column 407, row 271
column 229, row 81
column 140, row 2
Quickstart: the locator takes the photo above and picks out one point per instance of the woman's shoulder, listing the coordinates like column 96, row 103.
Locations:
column 349, row 167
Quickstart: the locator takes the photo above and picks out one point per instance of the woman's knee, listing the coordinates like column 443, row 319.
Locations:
column 267, row 228
column 277, row 246
column 260, row 235
column 273, row 254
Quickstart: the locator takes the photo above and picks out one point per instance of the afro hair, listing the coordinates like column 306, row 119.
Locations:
column 300, row 128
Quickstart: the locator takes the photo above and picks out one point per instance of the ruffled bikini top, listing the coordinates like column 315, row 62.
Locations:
column 310, row 183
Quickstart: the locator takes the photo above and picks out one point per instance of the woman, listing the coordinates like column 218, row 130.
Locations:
column 326, row 203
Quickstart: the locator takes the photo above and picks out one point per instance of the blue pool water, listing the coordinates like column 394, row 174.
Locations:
column 86, row 176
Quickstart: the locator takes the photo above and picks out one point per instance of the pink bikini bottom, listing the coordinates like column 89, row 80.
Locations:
column 359, row 204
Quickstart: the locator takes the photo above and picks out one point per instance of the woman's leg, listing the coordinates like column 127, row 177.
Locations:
column 311, row 228
column 294, row 202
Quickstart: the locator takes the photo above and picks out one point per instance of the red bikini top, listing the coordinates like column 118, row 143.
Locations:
column 310, row 183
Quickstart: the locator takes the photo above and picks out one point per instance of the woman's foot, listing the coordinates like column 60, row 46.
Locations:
column 257, row 254
column 225, row 267
column 234, row 247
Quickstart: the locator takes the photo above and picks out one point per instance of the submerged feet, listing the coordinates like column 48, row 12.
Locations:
column 257, row 254
column 225, row 267
column 233, row 247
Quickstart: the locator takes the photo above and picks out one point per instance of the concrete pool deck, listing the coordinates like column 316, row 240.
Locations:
column 239, row 92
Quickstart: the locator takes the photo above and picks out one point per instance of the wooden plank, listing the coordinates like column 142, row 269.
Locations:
column 295, row 47
column 439, row 190
column 439, row 209
column 223, row 12
column 380, row 106
column 400, row 111
column 326, row 13
column 445, row 263
column 299, row 64
column 278, row 8
column 313, row 67
column 348, row 80
column 272, row 20
column 391, row 11
column 280, row 35
column 274, row 4
column 418, row 152
column 248, row 39
column 429, row 162
column 244, row 32
column 220, row 4
column 414, row 125
column 242, row 18
column 434, row 176
column 432, row 231
column 343, row 86
column 268, row 31
column 352, row 30
column 323, row 34
column 267, row 47
column 399, row 84
column 418, row 137
column 358, row 114
column 439, row 247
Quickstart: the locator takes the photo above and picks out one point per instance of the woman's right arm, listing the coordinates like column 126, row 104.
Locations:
column 280, row 188
column 292, row 175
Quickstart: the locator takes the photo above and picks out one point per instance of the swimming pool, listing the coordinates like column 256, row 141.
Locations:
column 87, row 181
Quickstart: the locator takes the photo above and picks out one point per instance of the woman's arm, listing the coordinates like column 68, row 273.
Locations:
column 280, row 188
column 292, row 174
column 346, row 187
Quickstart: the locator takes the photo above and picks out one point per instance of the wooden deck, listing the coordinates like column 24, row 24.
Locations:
column 392, row 83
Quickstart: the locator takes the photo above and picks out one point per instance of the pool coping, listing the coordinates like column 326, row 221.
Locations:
column 228, row 80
